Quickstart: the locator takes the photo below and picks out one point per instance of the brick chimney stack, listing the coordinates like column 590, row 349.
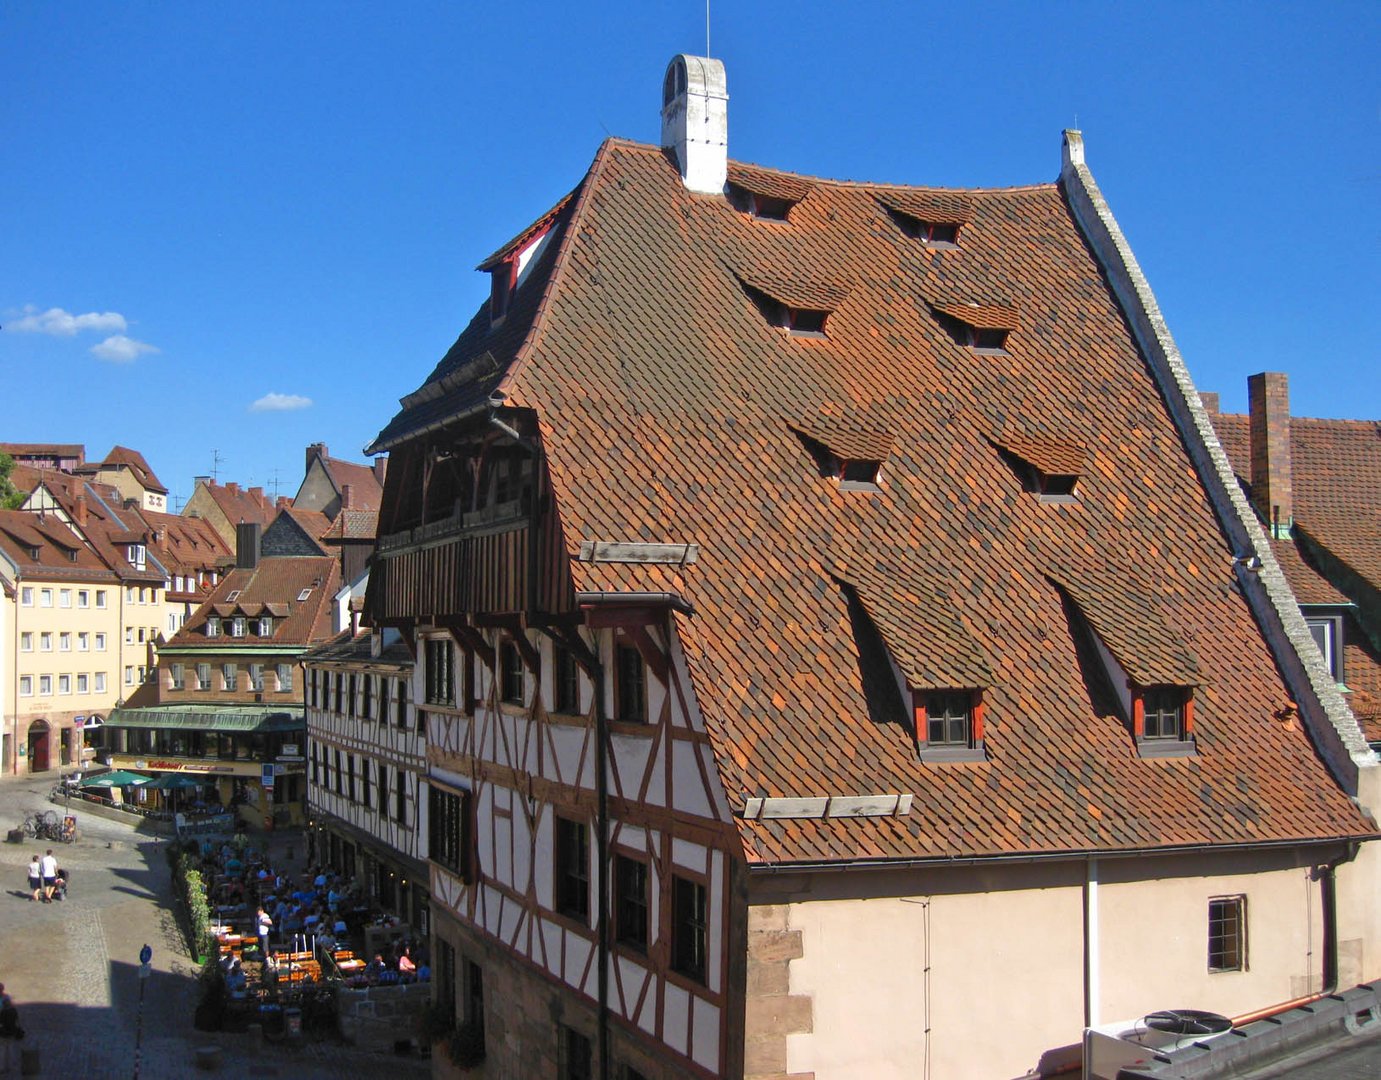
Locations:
column 257, row 494
column 80, row 511
column 316, row 449
column 380, row 469
column 232, row 486
column 1272, row 487
column 1209, row 401
column 346, row 491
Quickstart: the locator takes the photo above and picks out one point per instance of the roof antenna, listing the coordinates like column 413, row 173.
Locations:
column 216, row 460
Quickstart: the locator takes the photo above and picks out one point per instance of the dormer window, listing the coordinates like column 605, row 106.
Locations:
column 758, row 206
column 136, row 555
column 213, row 627
column 936, row 234
column 265, row 628
column 988, row 340
column 1047, row 467
column 980, row 326
column 846, row 450
column 949, row 725
column 237, row 626
column 502, row 280
column 800, row 322
column 1163, row 719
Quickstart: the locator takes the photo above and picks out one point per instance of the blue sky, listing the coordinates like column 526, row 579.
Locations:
column 213, row 206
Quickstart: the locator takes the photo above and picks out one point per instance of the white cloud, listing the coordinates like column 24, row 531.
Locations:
column 61, row 323
column 121, row 349
column 280, row 403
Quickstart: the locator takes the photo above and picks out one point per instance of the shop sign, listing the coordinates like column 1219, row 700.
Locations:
column 267, row 776
column 289, row 750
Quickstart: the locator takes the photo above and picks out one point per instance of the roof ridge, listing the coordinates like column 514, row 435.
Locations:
column 988, row 189
column 558, row 274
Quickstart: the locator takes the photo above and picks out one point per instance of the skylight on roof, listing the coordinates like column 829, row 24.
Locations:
column 232, row 596
column 304, row 594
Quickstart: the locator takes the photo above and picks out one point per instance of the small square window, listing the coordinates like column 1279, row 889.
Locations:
column 688, row 928
column 949, row 725
column 45, row 597
column 100, row 598
column 987, row 340
column 572, row 869
column 65, row 598
column 83, row 598
column 26, row 596
column 1227, row 933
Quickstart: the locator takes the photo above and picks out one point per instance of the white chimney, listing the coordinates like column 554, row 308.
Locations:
column 695, row 121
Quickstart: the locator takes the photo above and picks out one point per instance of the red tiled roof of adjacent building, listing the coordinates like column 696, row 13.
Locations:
column 41, row 546
column 668, row 411
column 365, row 491
column 272, row 587
column 133, row 460
column 352, row 525
column 240, row 504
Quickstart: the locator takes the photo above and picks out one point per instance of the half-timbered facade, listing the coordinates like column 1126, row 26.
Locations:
column 366, row 761
column 831, row 608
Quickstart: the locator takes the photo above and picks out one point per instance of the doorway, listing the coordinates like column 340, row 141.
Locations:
column 65, row 745
column 40, row 736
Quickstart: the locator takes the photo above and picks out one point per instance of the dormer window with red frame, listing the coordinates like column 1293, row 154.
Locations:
column 1047, row 467
column 949, row 725
column 1163, row 720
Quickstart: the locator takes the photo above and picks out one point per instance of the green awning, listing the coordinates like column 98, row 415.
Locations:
column 229, row 718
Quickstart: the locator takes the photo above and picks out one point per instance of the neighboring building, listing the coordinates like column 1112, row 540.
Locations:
column 227, row 699
column 61, row 631
column 53, row 457
column 1316, row 486
column 122, row 539
column 127, row 471
column 831, row 609
column 351, row 535
column 227, row 506
column 194, row 557
column 295, row 531
column 367, row 766
column 330, row 485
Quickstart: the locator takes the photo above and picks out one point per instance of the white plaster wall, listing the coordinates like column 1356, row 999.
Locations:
column 1154, row 943
column 1359, row 917
column 1008, row 960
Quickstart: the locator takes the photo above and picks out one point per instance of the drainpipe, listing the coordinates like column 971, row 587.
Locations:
column 602, row 854
column 1092, row 985
column 1325, row 875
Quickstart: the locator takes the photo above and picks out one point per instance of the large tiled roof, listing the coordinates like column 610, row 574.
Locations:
column 357, row 649
column 271, row 588
column 110, row 528
column 671, row 412
column 43, row 547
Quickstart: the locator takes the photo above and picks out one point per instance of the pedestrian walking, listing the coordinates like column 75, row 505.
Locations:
column 264, row 922
column 49, row 865
column 35, row 877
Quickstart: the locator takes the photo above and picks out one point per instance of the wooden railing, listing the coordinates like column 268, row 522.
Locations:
column 496, row 518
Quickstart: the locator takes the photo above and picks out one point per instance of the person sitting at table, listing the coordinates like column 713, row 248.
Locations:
column 326, row 939
column 405, row 964
column 270, row 970
column 375, row 967
column 236, row 982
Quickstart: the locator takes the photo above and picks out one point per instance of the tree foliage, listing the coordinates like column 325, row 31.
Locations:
column 10, row 496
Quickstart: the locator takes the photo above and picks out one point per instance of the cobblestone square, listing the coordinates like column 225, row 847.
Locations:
column 72, row 967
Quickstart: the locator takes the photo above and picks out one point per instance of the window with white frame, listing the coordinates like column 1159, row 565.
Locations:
column 256, row 677
column 45, row 641
column 237, row 626
column 26, row 641
column 231, row 675
column 64, row 641
column 65, row 598
column 213, row 626
column 83, row 641
column 100, row 598
column 83, row 684
column 26, row 686
column 45, row 597
column 83, row 598
column 100, row 642
column 285, row 677
column 26, row 596
column 178, row 676
column 45, row 686
column 129, row 674
column 203, row 676
column 99, row 682
column 129, row 635
column 64, row 684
